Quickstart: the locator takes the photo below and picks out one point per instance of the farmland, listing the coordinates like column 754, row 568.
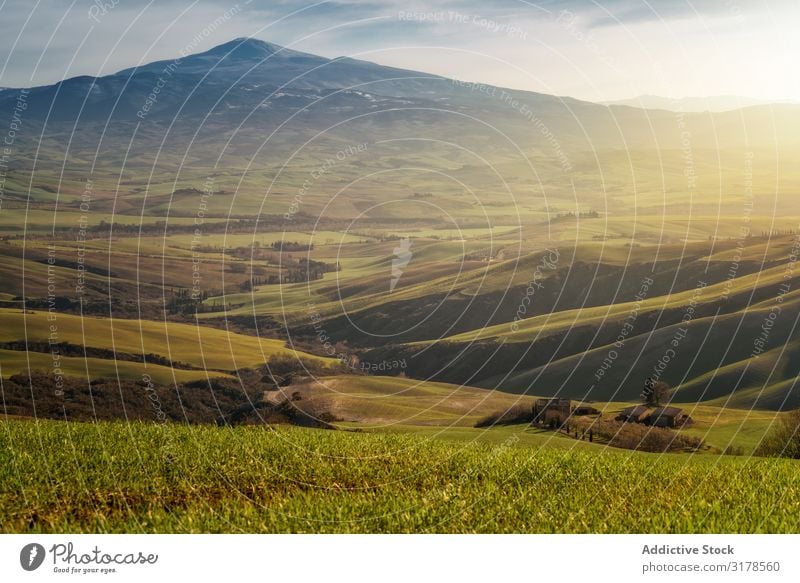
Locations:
column 201, row 347
column 115, row 477
column 304, row 311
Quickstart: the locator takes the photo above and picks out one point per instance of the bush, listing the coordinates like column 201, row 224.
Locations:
column 784, row 439
column 637, row 436
column 284, row 367
column 291, row 410
column 512, row 416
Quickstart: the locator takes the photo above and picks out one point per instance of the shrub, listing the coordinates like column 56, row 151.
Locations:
column 637, row 436
column 784, row 439
column 284, row 367
column 512, row 416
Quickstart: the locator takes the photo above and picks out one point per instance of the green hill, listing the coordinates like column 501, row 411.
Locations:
column 203, row 479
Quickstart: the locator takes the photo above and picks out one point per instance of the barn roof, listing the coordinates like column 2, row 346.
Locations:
column 553, row 402
column 634, row 411
column 666, row 412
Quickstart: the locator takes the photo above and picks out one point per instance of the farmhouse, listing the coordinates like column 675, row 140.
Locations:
column 666, row 417
column 552, row 412
column 584, row 409
column 657, row 417
column 635, row 414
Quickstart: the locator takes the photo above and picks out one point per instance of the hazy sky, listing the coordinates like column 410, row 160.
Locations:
column 595, row 50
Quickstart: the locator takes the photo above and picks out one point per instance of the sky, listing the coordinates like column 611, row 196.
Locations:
column 597, row 50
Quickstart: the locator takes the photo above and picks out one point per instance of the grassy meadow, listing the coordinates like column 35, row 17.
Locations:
column 117, row 477
column 199, row 346
column 15, row 362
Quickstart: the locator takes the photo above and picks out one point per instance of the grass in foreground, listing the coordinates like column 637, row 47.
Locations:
column 116, row 477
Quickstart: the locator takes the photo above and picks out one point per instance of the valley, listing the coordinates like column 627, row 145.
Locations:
column 300, row 260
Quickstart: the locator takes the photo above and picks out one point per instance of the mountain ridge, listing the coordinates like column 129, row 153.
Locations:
column 244, row 79
column 713, row 103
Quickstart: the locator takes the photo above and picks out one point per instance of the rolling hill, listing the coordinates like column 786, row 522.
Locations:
column 254, row 206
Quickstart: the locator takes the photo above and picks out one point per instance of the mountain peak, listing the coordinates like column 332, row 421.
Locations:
column 249, row 48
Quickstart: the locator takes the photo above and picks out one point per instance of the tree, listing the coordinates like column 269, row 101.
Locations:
column 655, row 392
column 784, row 438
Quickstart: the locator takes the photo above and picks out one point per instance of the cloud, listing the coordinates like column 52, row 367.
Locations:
column 627, row 12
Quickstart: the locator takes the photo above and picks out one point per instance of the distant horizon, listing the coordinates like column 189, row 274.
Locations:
column 618, row 101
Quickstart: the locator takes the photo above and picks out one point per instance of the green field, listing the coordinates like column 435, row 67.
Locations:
column 117, row 477
column 199, row 346
column 17, row 362
column 386, row 402
column 446, row 411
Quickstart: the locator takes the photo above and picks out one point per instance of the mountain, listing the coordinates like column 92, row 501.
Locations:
column 255, row 63
column 237, row 82
column 716, row 103
column 240, row 74
column 268, row 116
